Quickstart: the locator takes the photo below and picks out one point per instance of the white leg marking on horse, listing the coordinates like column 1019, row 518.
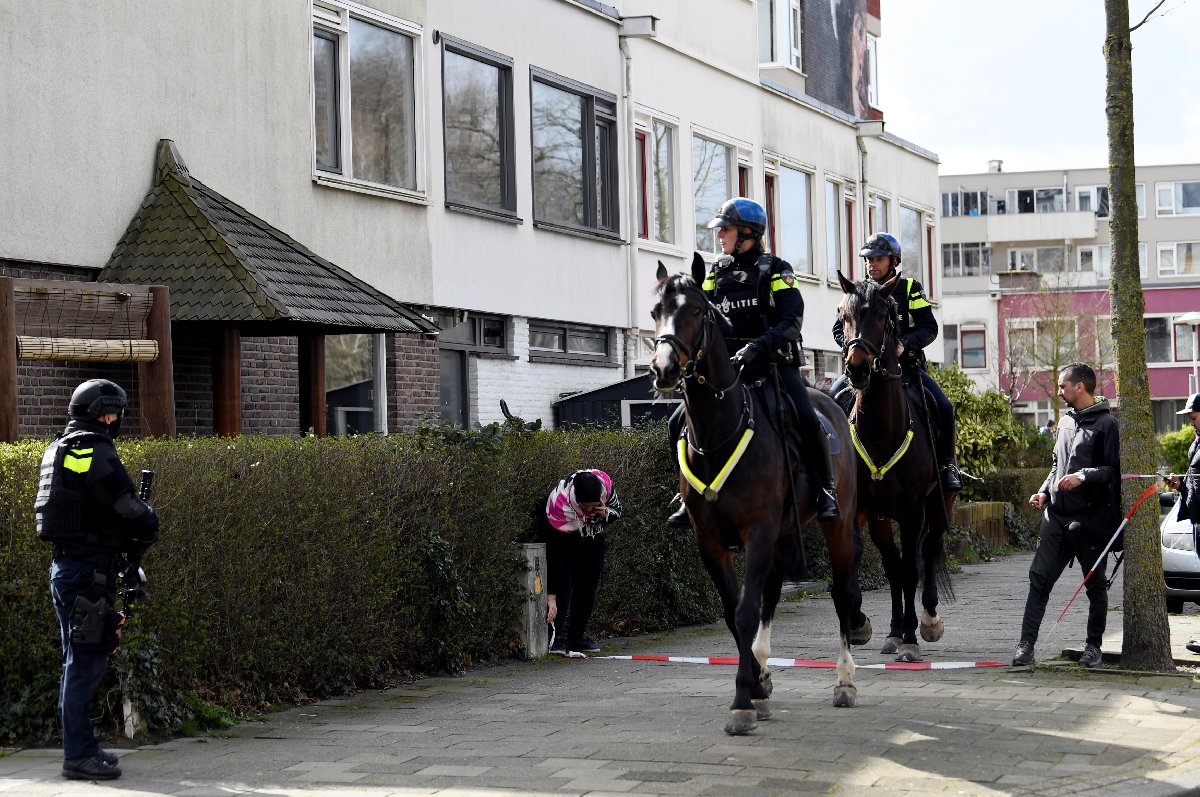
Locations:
column 762, row 644
column 845, row 668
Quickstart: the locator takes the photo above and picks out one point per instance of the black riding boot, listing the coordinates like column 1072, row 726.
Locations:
column 948, row 456
column 820, row 465
column 679, row 518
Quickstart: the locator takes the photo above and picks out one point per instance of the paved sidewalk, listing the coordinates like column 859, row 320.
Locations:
column 604, row 726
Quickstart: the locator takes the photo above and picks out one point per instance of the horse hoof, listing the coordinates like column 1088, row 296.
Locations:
column 762, row 709
column 933, row 631
column 862, row 634
column 845, row 696
column 909, row 652
column 767, row 684
column 891, row 645
column 741, row 721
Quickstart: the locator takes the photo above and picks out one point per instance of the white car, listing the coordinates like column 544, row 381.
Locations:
column 1181, row 564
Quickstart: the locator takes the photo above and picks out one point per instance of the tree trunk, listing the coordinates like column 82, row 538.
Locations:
column 1147, row 634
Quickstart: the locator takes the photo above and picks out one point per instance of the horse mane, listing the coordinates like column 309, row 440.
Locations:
column 868, row 293
column 683, row 283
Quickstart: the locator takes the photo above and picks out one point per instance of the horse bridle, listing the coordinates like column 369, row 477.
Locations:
column 678, row 346
column 876, row 351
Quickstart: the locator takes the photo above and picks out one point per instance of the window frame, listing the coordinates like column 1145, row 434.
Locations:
column 332, row 18
column 775, row 166
column 957, row 253
column 445, row 317
column 834, row 225
column 644, row 126
column 732, row 174
column 1092, row 192
column 1172, row 211
column 1173, row 248
column 972, row 329
column 507, row 209
column 594, row 118
column 565, row 355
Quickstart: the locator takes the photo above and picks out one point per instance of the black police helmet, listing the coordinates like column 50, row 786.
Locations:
column 97, row 397
column 881, row 243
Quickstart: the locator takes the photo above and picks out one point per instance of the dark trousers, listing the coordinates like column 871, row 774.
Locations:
column 1056, row 546
column 83, row 665
column 575, row 565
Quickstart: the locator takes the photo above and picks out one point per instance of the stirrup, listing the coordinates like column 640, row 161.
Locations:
column 827, row 504
column 950, row 481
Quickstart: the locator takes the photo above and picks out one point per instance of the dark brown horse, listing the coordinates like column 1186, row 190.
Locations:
column 897, row 471
column 738, row 496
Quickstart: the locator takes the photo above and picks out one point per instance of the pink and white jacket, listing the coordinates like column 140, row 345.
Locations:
column 562, row 507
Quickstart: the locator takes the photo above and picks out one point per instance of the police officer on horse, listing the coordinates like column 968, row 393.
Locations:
column 918, row 328
column 758, row 293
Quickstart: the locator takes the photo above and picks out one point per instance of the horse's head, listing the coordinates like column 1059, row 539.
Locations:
column 870, row 325
column 686, row 326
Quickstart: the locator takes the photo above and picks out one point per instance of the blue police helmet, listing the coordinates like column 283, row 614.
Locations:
column 881, row 243
column 741, row 212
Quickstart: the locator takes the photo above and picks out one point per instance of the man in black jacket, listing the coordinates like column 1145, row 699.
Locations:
column 88, row 508
column 1188, row 484
column 1081, row 499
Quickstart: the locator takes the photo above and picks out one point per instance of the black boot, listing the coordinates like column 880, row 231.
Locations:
column 820, row 465
column 679, row 518
column 947, row 454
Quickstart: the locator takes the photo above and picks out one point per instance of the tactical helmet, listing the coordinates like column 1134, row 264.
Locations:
column 741, row 212
column 97, row 397
column 881, row 243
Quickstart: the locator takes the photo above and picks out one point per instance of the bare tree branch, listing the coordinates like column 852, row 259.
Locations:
column 1149, row 14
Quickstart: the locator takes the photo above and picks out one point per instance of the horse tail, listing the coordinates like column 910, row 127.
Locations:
column 945, row 587
column 789, row 559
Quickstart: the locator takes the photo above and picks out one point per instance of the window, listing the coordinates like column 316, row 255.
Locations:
column 796, row 33
column 795, row 219
column 471, row 332
column 478, row 128
column 1056, row 340
column 1020, row 346
column 872, row 71
column 879, row 215
column 974, row 348
column 1141, row 200
column 1096, row 259
column 965, row 203
column 365, row 100
column 1158, row 340
column 574, row 155
column 833, row 229
column 966, row 260
column 353, row 370
column 1093, row 198
column 656, row 183
column 1043, row 259
column 912, row 240
column 1178, row 199
column 1183, row 342
column 1105, row 355
column 557, row 341
column 769, row 185
column 1034, row 200
column 781, row 32
column 950, row 343
column 712, row 175
column 1143, row 261
column 1179, row 259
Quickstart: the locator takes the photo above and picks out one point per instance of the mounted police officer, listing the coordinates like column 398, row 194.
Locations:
column 918, row 328
column 757, row 292
column 88, row 509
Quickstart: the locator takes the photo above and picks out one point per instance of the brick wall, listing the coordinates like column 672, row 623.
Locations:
column 413, row 382
column 270, row 386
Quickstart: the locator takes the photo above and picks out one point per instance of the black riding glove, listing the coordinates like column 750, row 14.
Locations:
column 747, row 355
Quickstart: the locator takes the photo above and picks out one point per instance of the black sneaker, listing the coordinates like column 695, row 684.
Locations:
column 1023, row 656
column 1091, row 656
column 109, row 758
column 559, row 648
column 585, row 645
column 95, row 768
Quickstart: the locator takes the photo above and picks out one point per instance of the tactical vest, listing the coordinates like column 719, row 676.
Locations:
column 756, row 298
column 59, row 503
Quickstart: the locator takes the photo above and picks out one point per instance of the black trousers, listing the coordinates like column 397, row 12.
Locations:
column 575, row 564
column 1056, row 546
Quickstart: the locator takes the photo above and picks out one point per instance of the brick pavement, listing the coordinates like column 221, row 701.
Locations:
column 605, row 726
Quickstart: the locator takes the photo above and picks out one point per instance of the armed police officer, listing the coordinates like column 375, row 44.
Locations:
column 88, row 509
column 918, row 328
column 758, row 293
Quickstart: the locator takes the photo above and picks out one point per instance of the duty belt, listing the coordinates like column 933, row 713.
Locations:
column 104, row 561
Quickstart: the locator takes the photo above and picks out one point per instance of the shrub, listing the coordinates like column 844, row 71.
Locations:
column 986, row 428
column 1175, row 447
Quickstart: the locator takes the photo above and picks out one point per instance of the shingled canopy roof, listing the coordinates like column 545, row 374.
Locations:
column 224, row 264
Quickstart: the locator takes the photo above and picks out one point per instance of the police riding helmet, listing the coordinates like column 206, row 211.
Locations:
column 882, row 243
column 97, row 397
column 741, row 212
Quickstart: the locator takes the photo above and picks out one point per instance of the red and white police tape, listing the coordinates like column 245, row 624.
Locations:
column 813, row 663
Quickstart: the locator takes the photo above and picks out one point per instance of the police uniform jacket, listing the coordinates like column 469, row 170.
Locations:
column 87, row 505
column 918, row 327
column 758, row 293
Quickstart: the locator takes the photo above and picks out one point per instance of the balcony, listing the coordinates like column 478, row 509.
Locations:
column 1015, row 228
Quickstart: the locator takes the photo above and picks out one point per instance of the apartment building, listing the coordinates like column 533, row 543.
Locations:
column 1026, row 259
column 511, row 178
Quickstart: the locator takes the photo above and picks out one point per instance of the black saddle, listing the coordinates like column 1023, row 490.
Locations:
column 912, row 390
column 767, row 391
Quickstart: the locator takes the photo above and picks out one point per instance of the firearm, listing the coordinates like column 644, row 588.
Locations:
column 131, row 575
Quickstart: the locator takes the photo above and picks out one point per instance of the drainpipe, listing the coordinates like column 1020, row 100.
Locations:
column 642, row 27
column 865, row 129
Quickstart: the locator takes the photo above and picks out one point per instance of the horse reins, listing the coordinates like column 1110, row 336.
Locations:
column 877, row 368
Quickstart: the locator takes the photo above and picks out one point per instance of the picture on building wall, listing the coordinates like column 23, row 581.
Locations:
column 836, row 61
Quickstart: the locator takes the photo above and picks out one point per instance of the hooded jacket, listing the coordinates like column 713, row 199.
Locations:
column 1088, row 445
column 563, row 512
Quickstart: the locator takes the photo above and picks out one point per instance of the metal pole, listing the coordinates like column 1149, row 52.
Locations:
column 1195, row 362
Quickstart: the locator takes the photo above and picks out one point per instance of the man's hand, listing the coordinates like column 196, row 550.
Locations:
column 1069, row 482
column 551, row 608
column 1173, row 481
column 747, row 355
column 899, row 347
column 1038, row 500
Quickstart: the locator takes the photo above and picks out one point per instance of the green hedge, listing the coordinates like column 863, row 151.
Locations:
column 1175, row 447
column 298, row 568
